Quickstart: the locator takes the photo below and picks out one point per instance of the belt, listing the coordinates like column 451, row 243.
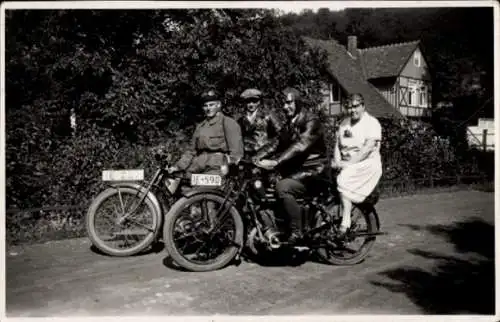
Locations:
column 213, row 151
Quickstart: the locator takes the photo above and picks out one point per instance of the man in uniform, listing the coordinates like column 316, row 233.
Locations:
column 215, row 138
column 260, row 126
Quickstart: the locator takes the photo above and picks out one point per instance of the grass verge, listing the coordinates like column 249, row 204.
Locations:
column 37, row 227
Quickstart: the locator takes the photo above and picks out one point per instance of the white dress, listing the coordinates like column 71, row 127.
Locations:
column 357, row 180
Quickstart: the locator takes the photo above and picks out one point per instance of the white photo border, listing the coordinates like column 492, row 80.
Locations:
column 287, row 5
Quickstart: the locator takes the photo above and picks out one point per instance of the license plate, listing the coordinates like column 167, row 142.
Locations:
column 206, row 180
column 123, row 175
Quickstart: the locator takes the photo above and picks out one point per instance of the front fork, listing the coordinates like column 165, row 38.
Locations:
column 148, row 188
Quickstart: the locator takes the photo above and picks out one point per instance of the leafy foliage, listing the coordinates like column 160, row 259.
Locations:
column 133, row 86
column 414, row 151
column 132, row 78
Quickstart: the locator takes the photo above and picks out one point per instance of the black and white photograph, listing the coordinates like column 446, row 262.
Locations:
column 269, row 160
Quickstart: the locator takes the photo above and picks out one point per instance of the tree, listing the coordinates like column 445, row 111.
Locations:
column 133, row 79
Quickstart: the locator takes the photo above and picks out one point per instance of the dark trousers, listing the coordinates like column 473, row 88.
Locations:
column 288, row 190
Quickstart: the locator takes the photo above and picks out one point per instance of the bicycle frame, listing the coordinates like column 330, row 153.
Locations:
column 152, row 186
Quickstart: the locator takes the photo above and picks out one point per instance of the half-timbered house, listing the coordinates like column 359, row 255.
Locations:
column 394, row 79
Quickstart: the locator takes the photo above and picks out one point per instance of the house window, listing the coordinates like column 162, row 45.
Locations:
column 414, row 92
column 412, row 96
column 334, row 93
column 422, row 96
column 416, row 59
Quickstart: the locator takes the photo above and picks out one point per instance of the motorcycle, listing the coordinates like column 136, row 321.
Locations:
column 206, row 229
column 127, row 217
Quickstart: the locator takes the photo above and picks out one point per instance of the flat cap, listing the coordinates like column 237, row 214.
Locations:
column 211, row 95
column 251, row 93
column 293, row 92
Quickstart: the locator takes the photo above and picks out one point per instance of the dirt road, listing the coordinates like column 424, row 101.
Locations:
column 439, row 251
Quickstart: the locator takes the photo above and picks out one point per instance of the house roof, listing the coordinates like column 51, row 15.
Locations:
column 386, row 61
column 348, row 72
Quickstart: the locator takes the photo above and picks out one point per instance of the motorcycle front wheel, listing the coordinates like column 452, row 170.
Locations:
column 121, row 238
column 198, row 240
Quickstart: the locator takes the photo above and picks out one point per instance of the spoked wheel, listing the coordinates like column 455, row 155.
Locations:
column 199, row 240
column 115, row 236
column 354, row 247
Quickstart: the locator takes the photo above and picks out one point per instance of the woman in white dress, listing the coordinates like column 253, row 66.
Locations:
column 357, row 155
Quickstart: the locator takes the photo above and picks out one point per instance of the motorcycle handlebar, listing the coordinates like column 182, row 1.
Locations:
column 246, row 161
column 250, row 162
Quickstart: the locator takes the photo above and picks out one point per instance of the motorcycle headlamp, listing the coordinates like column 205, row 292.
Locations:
column 224, row 169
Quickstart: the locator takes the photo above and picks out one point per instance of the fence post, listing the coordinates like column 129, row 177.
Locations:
column 485, row 139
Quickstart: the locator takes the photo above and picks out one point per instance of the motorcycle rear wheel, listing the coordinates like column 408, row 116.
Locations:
column 108, row 207
column 180, row 226
column 342, row 254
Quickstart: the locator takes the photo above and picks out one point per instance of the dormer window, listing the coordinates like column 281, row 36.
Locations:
column 416, row 59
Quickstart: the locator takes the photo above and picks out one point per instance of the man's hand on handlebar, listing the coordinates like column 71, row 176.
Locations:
column 173, row 169
column 230, row 160
column 337, row 165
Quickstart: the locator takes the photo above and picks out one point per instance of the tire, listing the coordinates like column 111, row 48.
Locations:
column 176, row 212
column 370, row 217
column 93, row 215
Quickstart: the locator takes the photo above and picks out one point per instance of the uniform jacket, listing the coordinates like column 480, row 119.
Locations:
column 212, row 139
column 260, row 135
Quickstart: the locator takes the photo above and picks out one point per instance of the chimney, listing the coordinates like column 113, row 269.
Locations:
column 352, row 45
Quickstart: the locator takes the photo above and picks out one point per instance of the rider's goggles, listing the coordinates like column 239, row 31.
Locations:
column 252, row 100
column 353, row 106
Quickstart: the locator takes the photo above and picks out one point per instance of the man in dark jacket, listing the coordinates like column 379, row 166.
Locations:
column 260, row 126
column 305, row 133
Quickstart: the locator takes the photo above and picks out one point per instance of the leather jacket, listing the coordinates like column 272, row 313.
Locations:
column 261, row 134
column 304, row 154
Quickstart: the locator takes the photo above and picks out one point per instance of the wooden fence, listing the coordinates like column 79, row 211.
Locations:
column 484, row 141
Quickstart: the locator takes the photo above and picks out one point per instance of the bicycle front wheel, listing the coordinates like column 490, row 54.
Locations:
column 117, row 237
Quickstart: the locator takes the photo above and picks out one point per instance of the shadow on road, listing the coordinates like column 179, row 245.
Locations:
column 169, row 263
column 454, row 285
column 285, row 257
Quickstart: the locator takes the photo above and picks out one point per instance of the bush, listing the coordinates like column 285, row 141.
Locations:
column 38, row 226
column 130, row 88
column 413, row 150
column 136, row 86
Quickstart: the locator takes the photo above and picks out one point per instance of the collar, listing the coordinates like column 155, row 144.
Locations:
column 363, row 116
column 300, row 116
column 251, row 117
column 215, row 119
